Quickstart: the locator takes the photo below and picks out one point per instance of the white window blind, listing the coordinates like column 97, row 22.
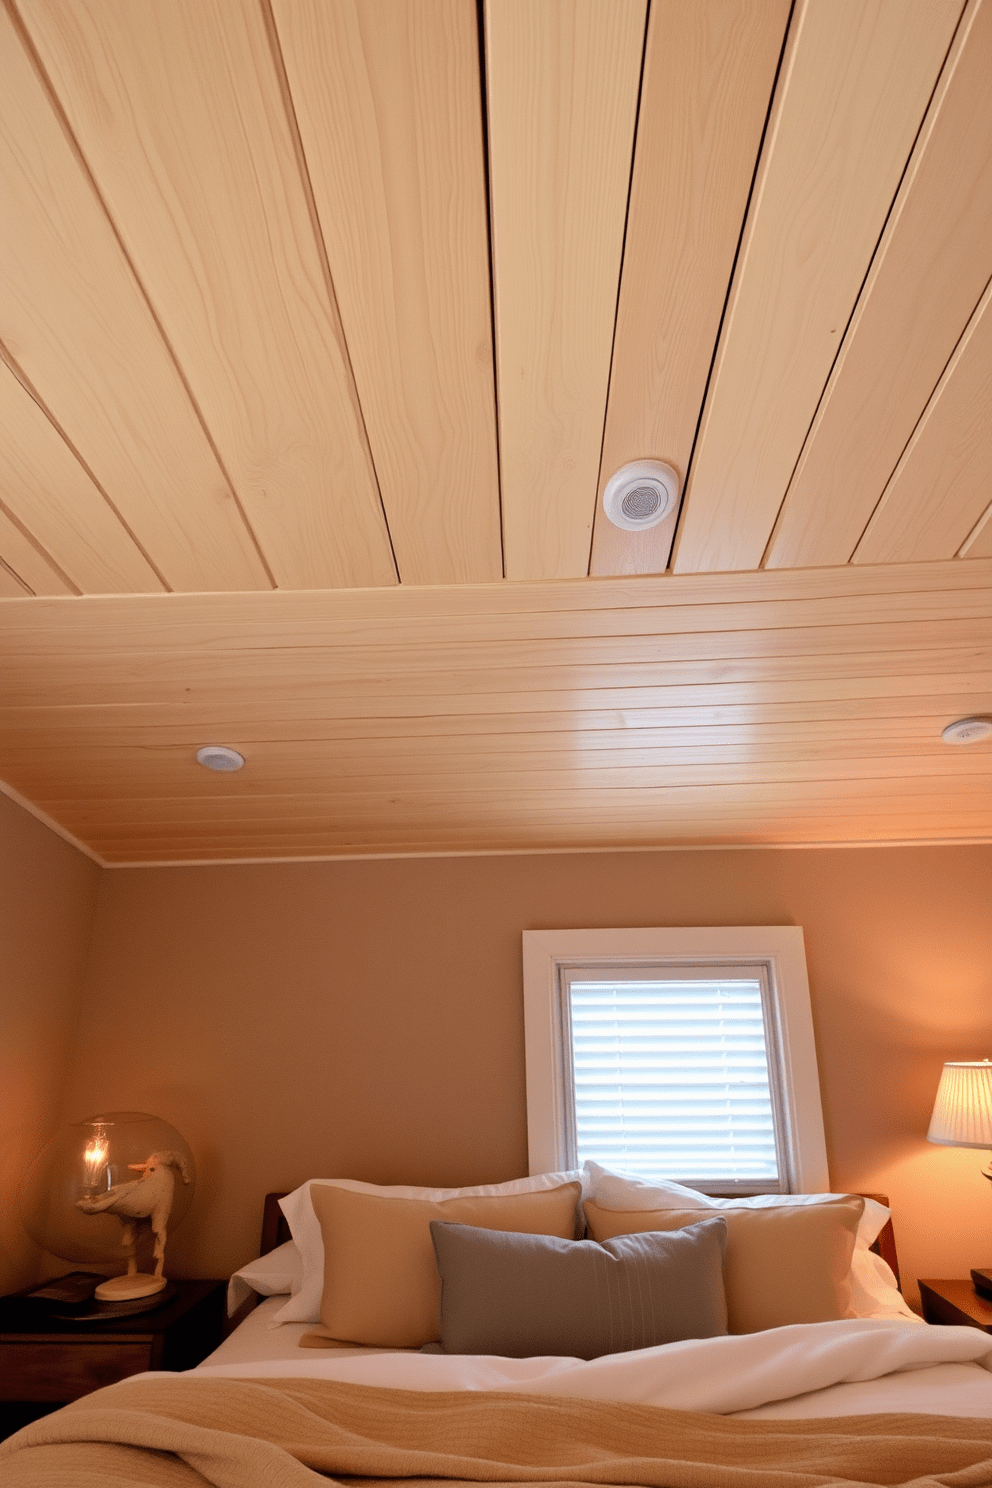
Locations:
column 670, row 1074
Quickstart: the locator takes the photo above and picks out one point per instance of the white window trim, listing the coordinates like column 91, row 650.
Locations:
column 779, row 947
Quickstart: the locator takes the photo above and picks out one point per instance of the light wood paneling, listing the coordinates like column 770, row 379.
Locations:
column 943, row 483
column 172, row 779
column 979, row 544
column 395, row 810
column 389, row 107
column 178, row 110
column 30, row 565
column 154, row 727
column 11, row 586
column 47, row 488
column 156, row 768
column 933, row 263
column 372, row 723
column 74, row 320
column 171, row 308
column 418, row 617
column 854, row 87
column 563, row 80
column 708, row 74
column 838, row 681
column 498, row 666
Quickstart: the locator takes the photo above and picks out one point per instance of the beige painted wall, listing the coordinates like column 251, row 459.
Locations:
column 365, row 1019
column 47, row 901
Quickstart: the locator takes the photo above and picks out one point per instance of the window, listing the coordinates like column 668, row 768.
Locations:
column 675, row 1053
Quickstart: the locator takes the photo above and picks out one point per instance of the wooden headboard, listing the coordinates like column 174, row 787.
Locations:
column 275, row 1230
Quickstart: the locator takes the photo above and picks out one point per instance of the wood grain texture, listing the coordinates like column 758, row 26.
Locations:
column 943, row 482
column 749, row 707
column 389, row 108
column 979, row 543
column 413, row 618
column 708, row 75
column 931, row 268
column 27, row 562
column 172, row 780
column 562, row 88
column 854, row 87
column 74, row 319
column 178, row 109
column 11, row 587
column 51, row 493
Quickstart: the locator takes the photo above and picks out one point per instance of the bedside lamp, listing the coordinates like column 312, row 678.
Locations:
column 102, row 1189
column 962, row 1117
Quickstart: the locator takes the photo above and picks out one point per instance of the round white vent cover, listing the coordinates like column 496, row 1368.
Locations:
column 640, row 495
column 967, row 731
column 217, row 757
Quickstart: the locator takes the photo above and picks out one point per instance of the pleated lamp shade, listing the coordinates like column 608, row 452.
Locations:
column 962, row 1112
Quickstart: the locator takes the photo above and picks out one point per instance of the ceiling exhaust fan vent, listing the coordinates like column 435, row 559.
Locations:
column 219, row 757
column 967, row 731
column 640, row 494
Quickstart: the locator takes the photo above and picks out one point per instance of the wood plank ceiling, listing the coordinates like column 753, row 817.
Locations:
column 324, row 324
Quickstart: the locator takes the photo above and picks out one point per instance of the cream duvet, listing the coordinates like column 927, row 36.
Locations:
column 905, row 1404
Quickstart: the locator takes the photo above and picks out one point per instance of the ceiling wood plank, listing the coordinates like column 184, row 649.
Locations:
column 943, row 482
column 388, row 102
column 562, row 91
column 309, row 626
column 505, row 690
column 11, row 587
column 480, row 665
column 604, row 606
column 709, row 69
column 149, row 726
column 979, row 544
column 146, row 768
column 478, row 810
column 51, row 494
column 933, row 263
column 854, row 87
column 27, row 562
column 279, row 776
column 179, row 112
column 75, row 322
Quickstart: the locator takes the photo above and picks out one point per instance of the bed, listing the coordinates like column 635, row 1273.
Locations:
column 369, row 1357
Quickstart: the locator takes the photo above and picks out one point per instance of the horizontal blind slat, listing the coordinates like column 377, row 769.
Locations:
column 671, row 1077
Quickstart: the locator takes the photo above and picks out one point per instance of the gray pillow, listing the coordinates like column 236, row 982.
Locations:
column 525, row 1295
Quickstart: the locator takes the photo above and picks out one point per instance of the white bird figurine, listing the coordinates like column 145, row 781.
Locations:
column 146, row 1198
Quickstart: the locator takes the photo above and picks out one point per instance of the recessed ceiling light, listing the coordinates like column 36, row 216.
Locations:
column 640, row 494
column 218, row 757
column 967, row 731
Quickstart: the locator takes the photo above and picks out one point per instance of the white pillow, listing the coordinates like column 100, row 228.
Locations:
column 874, row 1292
column 280, row 1270
column 304, row 1304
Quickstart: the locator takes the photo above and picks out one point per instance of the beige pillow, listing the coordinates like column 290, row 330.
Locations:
column 381, row 1282
column 783, row 1265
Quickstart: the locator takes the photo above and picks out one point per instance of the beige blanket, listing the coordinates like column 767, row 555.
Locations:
column 183, row 1431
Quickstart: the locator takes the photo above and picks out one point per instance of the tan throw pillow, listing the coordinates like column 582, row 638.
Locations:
column 783, row 1265
column 381, row 1283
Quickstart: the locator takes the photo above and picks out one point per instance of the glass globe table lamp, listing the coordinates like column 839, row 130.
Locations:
column 107, row 1186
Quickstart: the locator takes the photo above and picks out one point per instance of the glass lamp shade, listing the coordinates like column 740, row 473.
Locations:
column 962, row 1112
column 84, row 1160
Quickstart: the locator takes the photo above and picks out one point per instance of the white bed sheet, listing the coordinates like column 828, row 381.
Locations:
column 853, row 1367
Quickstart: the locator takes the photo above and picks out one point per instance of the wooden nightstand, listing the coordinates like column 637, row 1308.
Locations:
column 955, row 1302
column 44, row 1363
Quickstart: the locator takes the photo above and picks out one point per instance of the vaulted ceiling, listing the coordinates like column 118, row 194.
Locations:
column 325, row 323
